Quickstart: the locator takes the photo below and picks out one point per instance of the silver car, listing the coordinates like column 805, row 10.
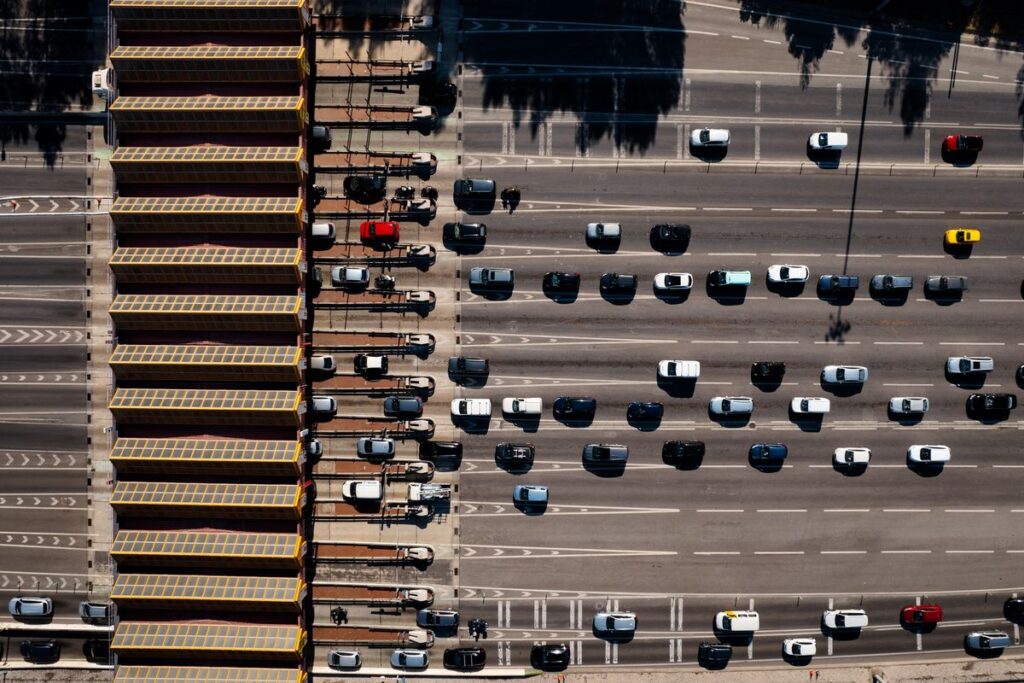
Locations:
column 492, row 277
column 344, row 659
column 605, row 453
column 375, row 447
column 437, row 618
column 530, row 494
column 946, row 283
column 26, row 606
column 344, row 276
column 615, row 623
column 601, row 232
column 844, row 374
column 409, row 659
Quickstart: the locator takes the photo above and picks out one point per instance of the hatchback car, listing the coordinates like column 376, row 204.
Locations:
column 324, row 406
column 466, row 233
column 437, row 618
column 365, row 188
column 97, row 650
column 436, row 450
column 731, row 405
column 27, row 606
column 494, row 278
column 920, row 615
column 561, row 282
column 673, row 452
column 987, row 640
column 322, row 232
column 322, row 363
column 350, row 277
column 40, row 651
column 963, row 143
column 370, row 365
column 908, row 405
column 768, row 452
column 554, row 657
column 828, row 141
column 574, row 407
column 838, row 284
column 514, row 453
column 530, row 494
column 787, row 274
column 605, row 453
column 928, row 455
column 851, row 457
column 1013, row 610
column 946, row 284
column 615, row 623
column 766, row 371
column 710, row 137
column 618, row 283
column 671, row 236
column 604, row 233
column 403, row 406
column 344, row 659
column 891, row 283
column 375, row 447
column 991, row 404
column 673, row 282
column 379, row 231
column 465, row 658
column 714, row 653
column 94, row 611
column 471, row 189
column 844, row 619
column 409, row 659
column 960, row 237
column 844, row 374
column 799, row 647
column 644, row 410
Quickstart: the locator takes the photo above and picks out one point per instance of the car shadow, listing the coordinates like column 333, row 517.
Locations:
column 677, row 388
column 824, row 158
column 471, row 426
column 785, row 289
column 605, row 471
column 687, row 464
column 645, row 424
column 959, row 159
column 807, row 423
column 476, row 207
column 613, row 637
column 561, row 296
column 492, row 293
column 918, row 628
column 840, row 633
column 925, row 470
column 673, row 298
column 844, row 298
column 712, row 666
column 849, row 470
column 725, row 296
column 528, row 424
column 904, row 419
column 729, row 421
column 515, row 468
column 447, row 463
column 943, row 298
column 669, row 249
column 603, row 246
column 974, row 380
column 617, row 299
column 988, row 418
column 530, row 509
column 734, row 639
column 475, row 381
column 890, row 298
column 709, row 155
column 767, row 386
column 842, row 390
column 766, row 466
column 796, row 661
column 984, row 654
column 461, row 248
column 575, row 422
column 958, row 251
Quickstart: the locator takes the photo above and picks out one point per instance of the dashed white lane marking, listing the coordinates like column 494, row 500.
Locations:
column 836, row 52
column 782, row 510
column 969, row 510
column 843, row 552
column 845, row 509
column 970, row 552
column 771, row 42
column 898, row 343
column 771, row 341
column 797, row 210
column 732, row 253
column 740, row 37
column 796, row 254
column 984, row 213
column 778, row 552
column 713, row 341
column 994, row 78
column 717, row 511
column 906, row 510
column 972, row 343
column 906, row 552
column 903, row 384
column 920, row 212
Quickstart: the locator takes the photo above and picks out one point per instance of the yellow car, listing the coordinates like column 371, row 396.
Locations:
column 961, row 236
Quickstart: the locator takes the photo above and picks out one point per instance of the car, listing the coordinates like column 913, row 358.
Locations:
column 370, row 365
column 350, row 277
column 787, row 274
column 828, row 141
column 729, row 278
column 375, row 447
column 403, row 406
column 605, row 453
column 97, row 650
column 514, row 453
column 322, row 363
column 561, row 282
column 991, row 404
column 767, row 371
column 908, row 405
column 838, row 284
column 768, row 452
column 941, row 284
column 731, row 405
column 314, row 449
column 799, row 647
column 40, row 651
column 522, row 407
column 987, row 640
column 436, row 450
column 552, row 657
column 324, row 406
column 379, row 231
column 969, row 365
column 673, row 282
column 471, row 407
column 465, row 658
column 891, row 283
column 921, row 615
column 603, row 233
column 365, row 188
column 671, row 236
column 94, row 611
column 679, row 369
column 618, row 283
column 810, row 405
column 472, row 189
column 851, row 457
column 844, row 619
column 958, row 237
column 714, row 653
column 574, row 407
column 410, row 659
column 29, row 606
column 738, row 621
column 1020, row 374
column 963, row 143
column 322, row 232
column 466, row 233
column 363, row 490
column 465, row 366
column 673, row 452
column 344, row 659
column 530, row 494
column 493, row 278
column 928, row 455
column 615, row 623
column 1013, row 610
column 320, row 138
column 641, row 411
column 844, row 374
column 437, row 618
column 710, row 137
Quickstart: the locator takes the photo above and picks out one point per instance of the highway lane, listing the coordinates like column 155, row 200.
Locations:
column 41, row 270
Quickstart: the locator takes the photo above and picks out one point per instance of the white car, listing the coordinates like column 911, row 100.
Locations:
column 344, row 659
column 375, row 447
column 522, row 406
column 673, row 282
column 731, row 405
column 471, row 407
column 851, row 457
column 787, row 274
column 928, row 454
column 616, row 623
column 362, row 490
column 600, row 232
column 322, row 232
column 325, row 406
column 345, row 276
column 969, row 365
column 828, row 141
column 810, row 405
column 844, row 619
column 710, row 137
column 908, row 405
column 322, row 363
column 679, row 369
column 799, row 647
column 530, row 494
column 844, row 374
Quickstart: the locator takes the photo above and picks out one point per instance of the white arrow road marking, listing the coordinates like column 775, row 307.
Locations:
column 563, row 340
column 507, row 552
column 578, row 510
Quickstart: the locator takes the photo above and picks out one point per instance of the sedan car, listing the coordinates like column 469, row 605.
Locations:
column 40, row 651
column 851, row 457
column 370, row 365
column 365, row 188
column 605, row 453
column 838, row 284
column 928, row 454
column 810, row 405
column 673, row 282
column 373, row 447
column 673, row 452
column 494, row 278
column 710, row 137
column 561, row 282
column 714, row 653
column 410, row 659
column 921, row 615
column 530, row 494
column 786, row 274
column 731, row 405
column 344, row 659
column 768, row 452
column 403, row 406
column 465, row 658
column 891, row 283
column 514, row 453
column 644, row 410
column 349, row 277
column 766, row 371
column 437, row 618
column 830, row 141
column 554, row 657
column 379, row 231
column 908, row 405
column 799, row 647
column 958, row 237
column 464, row 366
column 575, row 407
column 26, row 606
column 671, row 236
column 844, row 374
column 946, row 284
column 604, row 233
column 991, row 404
column 474, row 189
column 466, row 233
column 618, row 283
column 615, row 623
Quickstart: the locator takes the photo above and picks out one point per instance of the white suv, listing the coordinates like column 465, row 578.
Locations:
column 731, row 405
column 810, row 405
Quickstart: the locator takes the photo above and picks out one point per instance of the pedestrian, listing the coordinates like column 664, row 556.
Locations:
column 14, row 204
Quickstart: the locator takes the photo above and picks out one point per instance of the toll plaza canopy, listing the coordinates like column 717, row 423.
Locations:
column 206, row 362
column 176, row 591
column 201, row 265
column 208, row 164
column 208, row 456
column 210, row 63
column 210, row 114
column 164, row 215
column 213, row 501
column 204, row 674
column 210, row 15
column 208, row 641
column 265, row 313
column 207, row 549
column 208, row 406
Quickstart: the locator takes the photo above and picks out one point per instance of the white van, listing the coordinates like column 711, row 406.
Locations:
column 679, row 369
column 522, row 406
column 742, row 621
column 844, row 619
column 835, row 142
column 471, row 407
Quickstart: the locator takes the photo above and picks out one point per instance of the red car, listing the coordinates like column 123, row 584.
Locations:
column 378, row 231
column 920, row 615
column 963, row 143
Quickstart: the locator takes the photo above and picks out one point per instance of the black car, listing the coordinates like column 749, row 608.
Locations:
column 838, row 284
column 40, row 651
column 465, row 658
column 767, row 371
column 1020, row 374
column 550, row 657
column 682, row 451
column 517, row 453
column 443, row 94
column 97, row 650
column 466, row 233
column 366, row 188
column 714, row 653
column 470, row 189
column 436, row 450
column 575, row 407
column 768, row 452
column 618, row 283
column 463, row 366
column 991, row 403
column 562, row 282
column 644, row 410
column 671, row 236
column 1013, row 610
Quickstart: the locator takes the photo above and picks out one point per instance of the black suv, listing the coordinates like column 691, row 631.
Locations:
column 435, row 450
column 469, row 190
column 515, row 453
column 674, row 452
column 714, row 653
column 618, row 283
column 466, row 233
column 767, row 371
column 985, row 404
column 550, row 657
column 97, row 651
column 838, row 284
column 768, row 452
column 463, row 366
column 562, row 282
column 644, row 410
column 465, row 658
column 575, row 407
column 366, row 188
column 39, row 651
column 671, row 236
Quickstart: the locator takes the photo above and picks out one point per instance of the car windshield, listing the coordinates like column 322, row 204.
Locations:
column 823, row 139
column 726, row 404
column 673, row 280
column 784, row 272
column 705, row 135
column 840, row 373
column 602, row 452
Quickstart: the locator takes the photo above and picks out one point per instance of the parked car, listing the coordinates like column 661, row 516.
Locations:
column 465, row 658
column 379, row 231
column 551, row 657
column 466, row 233
column 29, row 606
column 514, row 453
column 604, row 233
column 908, row 405
column 618, row 283
column 851, row 457
column 561, row 282
column 344, row 659
column 928, row 455
column 365, row 188
column 921, row 615
column 574, row 407
column 674, row 452
column 767, row 371
column 673, row 282
column 828, row 141
column 615, row 623
column 40, row 651
column 738, row 621
column 844, row 619
column 492, row 278
column 324, row 406
column 522, row 407
column 710, row 137
column 987, row 640
column 768, row 452
column 322, row 363
column 959, row 237
column 728, row 278
column 471, row 407
column 530, row 494
column 799, row 647
column 363, row 490
column 97, row 650
column 375, row 447
column 844, row 374
column 731, row 405
column 322, row 232
column 403, row 406
column 605, row 453
column 969, row 365
column 1013, row 610
column 94, row 611
column 410, row 659
column 350, row 277
column 946, row 284
column 787, row 274
column 714, row 653
column 370, row 365
column 671, row 236
column 679, row 369
column 891, row 283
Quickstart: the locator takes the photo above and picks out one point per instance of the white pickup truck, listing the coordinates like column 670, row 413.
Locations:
column 471, row 407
